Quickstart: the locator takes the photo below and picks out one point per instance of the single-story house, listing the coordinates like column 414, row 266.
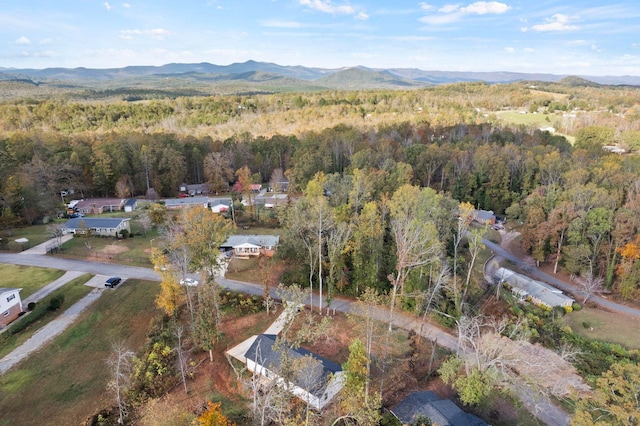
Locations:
column 178, row 203
column 539, row 292
column 10, row 305
column 251, row 245
column 485, row 217
column 110, row 227
column 441, row 412
column 220, row 205
column 316, row 380
column 194, row 189
column 130, row 205
column 99, row 205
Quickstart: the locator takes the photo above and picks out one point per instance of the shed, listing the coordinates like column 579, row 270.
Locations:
column 442, row 412
column 10, row 305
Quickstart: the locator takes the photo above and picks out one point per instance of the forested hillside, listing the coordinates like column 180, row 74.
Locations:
column 577, row 204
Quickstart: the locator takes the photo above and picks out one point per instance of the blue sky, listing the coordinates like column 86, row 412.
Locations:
column 561, row 37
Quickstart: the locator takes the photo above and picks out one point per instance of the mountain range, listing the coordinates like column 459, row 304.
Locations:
column 273, row 77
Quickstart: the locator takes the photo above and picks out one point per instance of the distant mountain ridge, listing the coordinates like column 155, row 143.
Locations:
column 343, row 78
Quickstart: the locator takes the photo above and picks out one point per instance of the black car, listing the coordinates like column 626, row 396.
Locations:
column 112, row 282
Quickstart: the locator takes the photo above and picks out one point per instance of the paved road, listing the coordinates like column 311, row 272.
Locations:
column 577, row 293
column 544, row 410
column 97, row 268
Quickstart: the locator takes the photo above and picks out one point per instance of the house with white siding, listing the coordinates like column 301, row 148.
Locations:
column 10, row 305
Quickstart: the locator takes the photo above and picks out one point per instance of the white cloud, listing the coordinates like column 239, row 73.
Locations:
column 362, row 16
column 126, row 5
column 22, row 41
column 107, row 5
column 449, row 8
column 529, row 49
column 156, row 33
column 453, row 12
column 486, row 7
column 557, row 22
column 327, row 6
column 509, row 49
column 425, row 6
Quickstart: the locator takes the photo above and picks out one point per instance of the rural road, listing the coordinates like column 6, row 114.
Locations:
column 577, row 293
column 542, row 408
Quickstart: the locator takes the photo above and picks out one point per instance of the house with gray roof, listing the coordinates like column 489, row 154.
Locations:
column 538, row 292
column 179, row 203
column 312, row 378
column 108, row 227
column 245, row 246
column 98, row 205
column 441, row 412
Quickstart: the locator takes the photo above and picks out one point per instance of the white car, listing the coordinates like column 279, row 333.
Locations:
column 189, row 282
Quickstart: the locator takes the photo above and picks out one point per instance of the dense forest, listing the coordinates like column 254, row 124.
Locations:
column 578, row 204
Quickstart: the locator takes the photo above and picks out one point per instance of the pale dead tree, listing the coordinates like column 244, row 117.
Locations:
column 474, row 238
column 417, row 245
column 430, row 294
column 590, row 284
column 178, row 331
column 55, row 230
column 145, row 223
column 466, row 215
column 121, row 368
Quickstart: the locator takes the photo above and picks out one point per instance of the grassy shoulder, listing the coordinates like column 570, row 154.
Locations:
column 28, row 278
column 72, row 292
column 598, row 324
column 65, row 382
column 132, row 251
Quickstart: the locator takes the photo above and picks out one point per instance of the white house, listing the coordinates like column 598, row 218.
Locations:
column 109, row 227
column 10, row 305
column 251, row 245
column 315, row 380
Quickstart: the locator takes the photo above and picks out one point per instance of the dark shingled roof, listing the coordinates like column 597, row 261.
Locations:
column 263, row 353
column 442, row 412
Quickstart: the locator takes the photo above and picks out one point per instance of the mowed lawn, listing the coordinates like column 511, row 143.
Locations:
column 605, row 326
column 28, row 278
column 65, row 382
column 72, row 292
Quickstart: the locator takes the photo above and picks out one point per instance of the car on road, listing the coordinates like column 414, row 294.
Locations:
column 189, row 281
column 112, row 282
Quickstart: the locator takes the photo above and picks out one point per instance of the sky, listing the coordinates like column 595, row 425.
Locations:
column 581, row 37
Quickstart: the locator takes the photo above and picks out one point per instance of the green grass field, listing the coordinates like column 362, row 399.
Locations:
column 29, row 279
column 65, row 382
column 605, row 326
column 72, row 291
column 36, row 234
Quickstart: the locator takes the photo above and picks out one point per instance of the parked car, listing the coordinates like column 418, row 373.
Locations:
column 189, row 281
column 112, row 282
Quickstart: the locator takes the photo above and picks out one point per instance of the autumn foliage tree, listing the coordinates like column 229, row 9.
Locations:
column 213, row 416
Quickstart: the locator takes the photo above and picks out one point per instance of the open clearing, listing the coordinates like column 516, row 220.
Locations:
column 606, row 326
column 30, row 279
column 64, row 383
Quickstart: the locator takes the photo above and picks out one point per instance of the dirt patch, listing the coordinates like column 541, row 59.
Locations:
column 114, row 249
